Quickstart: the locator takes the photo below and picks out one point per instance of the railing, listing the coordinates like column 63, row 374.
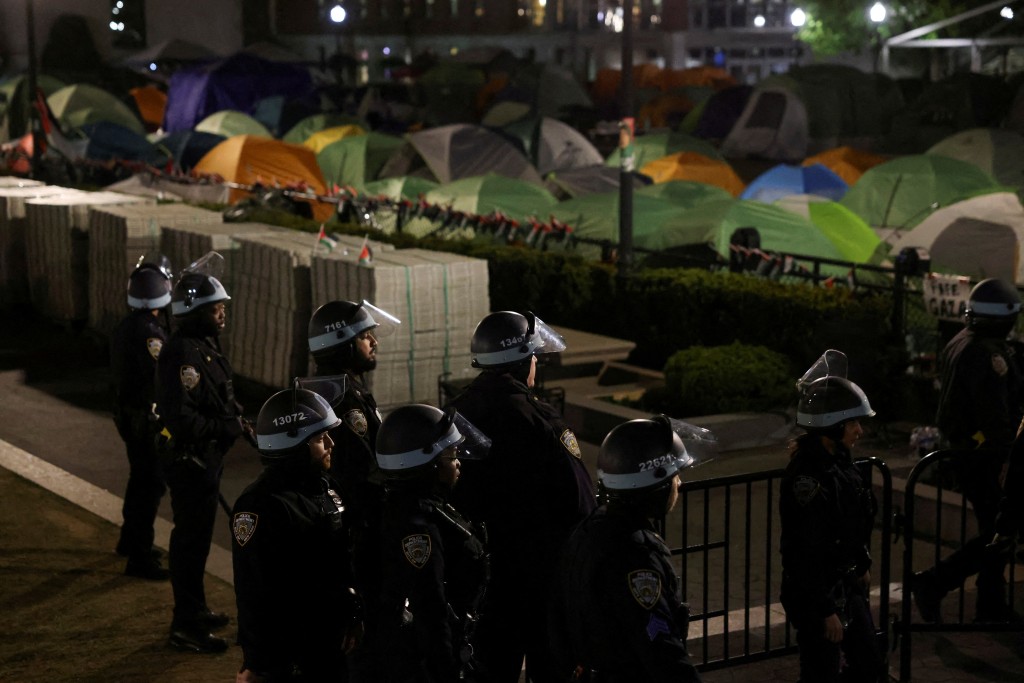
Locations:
column 905, row 627
column 729, row 528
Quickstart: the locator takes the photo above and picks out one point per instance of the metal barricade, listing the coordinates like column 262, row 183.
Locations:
column 729, row 556
column 905, row 627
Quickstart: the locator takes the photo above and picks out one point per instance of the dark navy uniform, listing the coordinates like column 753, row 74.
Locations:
column 432, row 557
column 530, row 492
column 827, row 512
column 292, row 576
column 196, row 403
column 619, row 612
column 979, row 410
column 134, row 348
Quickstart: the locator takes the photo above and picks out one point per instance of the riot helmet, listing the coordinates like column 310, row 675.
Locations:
column 149, row 286
column 643, row 455
column 289, row 420
column 507, row 338
column 992, row 307
column 829, row 401
column 335, row 325
column 414, row 435
column 199, row 285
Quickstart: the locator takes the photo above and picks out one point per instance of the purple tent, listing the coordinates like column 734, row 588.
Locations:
column 237, row 82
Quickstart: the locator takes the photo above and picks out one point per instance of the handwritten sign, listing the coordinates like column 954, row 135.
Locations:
column 945, row 296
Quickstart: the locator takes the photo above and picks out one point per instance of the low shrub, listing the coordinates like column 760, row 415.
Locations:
column 705, row 380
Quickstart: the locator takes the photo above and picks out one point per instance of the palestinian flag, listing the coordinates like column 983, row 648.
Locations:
column 365, row 255
column 324, row 240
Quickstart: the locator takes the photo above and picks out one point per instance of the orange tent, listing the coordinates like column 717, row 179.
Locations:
column 847, row 163
column 695, row 167
column 706, row 76
column 151, row 102
column 247, row 159
column 665, row 111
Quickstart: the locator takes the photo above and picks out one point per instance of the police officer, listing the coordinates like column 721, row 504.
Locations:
column 979, row 411
column 433, row 560
column 535, row 457
column 618, row 613
column 134, row 348
column 297, row 610
column 827, row 511
column 196, row 402
column 343, row 341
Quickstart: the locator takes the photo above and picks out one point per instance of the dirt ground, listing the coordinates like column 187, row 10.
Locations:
column 67, row 613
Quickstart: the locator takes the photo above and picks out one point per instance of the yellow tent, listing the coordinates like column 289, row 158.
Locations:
column 317, row 141
column 248, row 159
column 695, row 167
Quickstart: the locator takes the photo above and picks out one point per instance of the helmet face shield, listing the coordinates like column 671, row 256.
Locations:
column 452, row 430
column 330, row 388
column 383, row 323
column 643, row 454
column 832, row 363
column 543, row 337
column 474, row 444
column 830, row 400
column 211, row 263
column 290, row 418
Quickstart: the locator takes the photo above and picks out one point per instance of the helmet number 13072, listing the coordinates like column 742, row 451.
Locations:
column 289, row 419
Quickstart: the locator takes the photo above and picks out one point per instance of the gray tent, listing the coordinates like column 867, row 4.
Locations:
column 460, row 150
column 553, row 145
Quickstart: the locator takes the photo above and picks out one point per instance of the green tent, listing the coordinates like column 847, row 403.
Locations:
column 854, row 238
column 900, row 193
column 80, row 104
column 14, row 107
column 660, row 224
column 230, row 123
column 686, row 193
column 483, row 195
column 657, row 145
column 358, row 159
column 301, row 131
column 996, row 151
column 405, row 187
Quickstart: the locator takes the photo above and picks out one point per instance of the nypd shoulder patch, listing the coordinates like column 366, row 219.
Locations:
column 416, row 549
column 154, row 345
column 805, row 488
column 356, row 421
column 999, row 365
column 645, row 585
column 243, row 526
column 568, row 440
column 189, row 377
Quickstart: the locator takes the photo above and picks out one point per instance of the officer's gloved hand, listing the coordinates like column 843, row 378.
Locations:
column 682, row 616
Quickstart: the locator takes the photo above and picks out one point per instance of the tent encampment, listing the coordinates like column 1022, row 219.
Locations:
column 979, row 237
column 846, row 162
column 357, row 159
column 693, row 166
column 773, row 125
column 900, row 193
column 317, row 141
column 248, row 159
column 79, row 104
column 448, row 153
column 996, row 151
column 552, row 145
column 784, row 179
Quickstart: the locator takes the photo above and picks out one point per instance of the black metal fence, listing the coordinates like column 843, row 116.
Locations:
column 932, row 513
column 730, row 568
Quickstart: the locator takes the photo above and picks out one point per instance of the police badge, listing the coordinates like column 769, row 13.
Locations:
column 243, row 526
column 645, row 586
column 356, row 421
column 999, row 365
column 568, row 440
column 153, row 345
column 804, row 489
column 416, row 549
column 189, row 377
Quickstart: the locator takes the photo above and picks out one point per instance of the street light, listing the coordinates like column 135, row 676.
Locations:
column 759, row 21
column 798, row 18
column 877, row 13
column 337, row 14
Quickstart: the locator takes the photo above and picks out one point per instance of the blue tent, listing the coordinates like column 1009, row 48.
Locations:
column 107, row 141
column 783, row 180
column 189, row 146
column 237, row 82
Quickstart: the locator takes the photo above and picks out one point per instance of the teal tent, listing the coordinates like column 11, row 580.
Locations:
column 79, row 104
column 899, row 194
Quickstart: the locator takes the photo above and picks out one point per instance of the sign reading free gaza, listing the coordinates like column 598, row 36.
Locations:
column 945, row 296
